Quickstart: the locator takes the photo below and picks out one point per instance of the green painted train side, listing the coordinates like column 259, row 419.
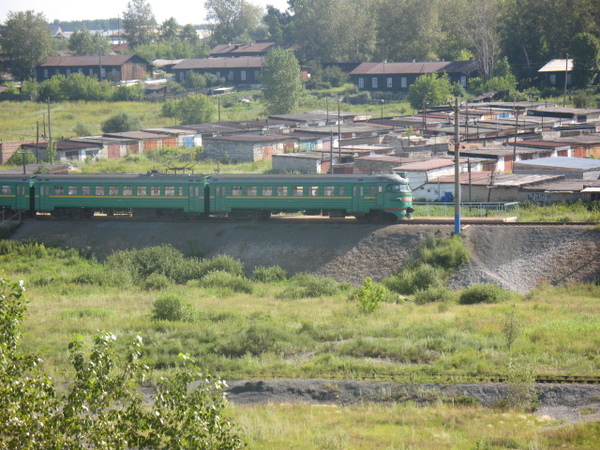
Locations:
column 356, row 195
column 15, row 192
column 184, row 193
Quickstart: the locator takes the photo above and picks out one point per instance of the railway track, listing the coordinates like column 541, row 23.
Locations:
column 436, row 379
column 287, row 219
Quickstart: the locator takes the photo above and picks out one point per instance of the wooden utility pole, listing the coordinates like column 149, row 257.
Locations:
column 456, row 170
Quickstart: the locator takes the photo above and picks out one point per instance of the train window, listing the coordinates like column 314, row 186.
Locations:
column 358, row 191
column 155, row 191
column 282, row 191
column 236, row 191
column 251, row 191
column 328, row 191
column 6, row 189
column 127, row 190
column 379, row 188
column 298, row 191
column 141, row 191
column 371, row 191
column 313, row 191
column 113, row 190
column 99, row 190
column 267, row 191
column 180, row 191
column 170, row 191
column 59, row 190
column 342, row 191
column 85, row 190
column 72, row 190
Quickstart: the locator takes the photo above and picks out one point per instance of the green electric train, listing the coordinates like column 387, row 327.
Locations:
column 380, row 197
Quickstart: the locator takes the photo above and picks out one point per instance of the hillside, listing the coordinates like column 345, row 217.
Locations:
column 518, row 258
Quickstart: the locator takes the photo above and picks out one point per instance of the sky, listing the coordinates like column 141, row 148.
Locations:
column 184, row 11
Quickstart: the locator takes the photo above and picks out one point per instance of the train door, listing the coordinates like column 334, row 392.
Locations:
column 379, row 195
column 358, row 194
column 196, row 197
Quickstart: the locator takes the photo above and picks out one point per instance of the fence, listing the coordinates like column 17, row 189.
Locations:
column 467, row 209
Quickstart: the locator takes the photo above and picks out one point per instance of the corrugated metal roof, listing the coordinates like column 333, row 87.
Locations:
column 428, row 164
column 251, row 138
column 557, row 65
column 79, row 61
column 383, row 68
column 563, row 162
column 140, row 135
column 221, row 63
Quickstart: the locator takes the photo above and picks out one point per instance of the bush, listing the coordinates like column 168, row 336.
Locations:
column 445, row 253
column 157, row 281
column 271, row 274
column 164, row 259
column 370, row 296
column 222, row 263
column 173, row 309
column 415, row 278
column 100, row 276
column 226, row 280
column 309, row 286
column 121, row 122
column 435, row 294
column 484, row 293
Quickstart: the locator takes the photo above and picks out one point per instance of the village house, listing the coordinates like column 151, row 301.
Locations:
column 252, row 49
column 398, row 76
column 555, row 71
column 113, row 68
column 244, row 70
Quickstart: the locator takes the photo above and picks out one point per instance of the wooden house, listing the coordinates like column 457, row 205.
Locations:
column 113, row 68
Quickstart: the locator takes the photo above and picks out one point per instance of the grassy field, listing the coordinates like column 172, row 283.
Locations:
column 18, row 120
column 305, row 327
column 407, row 427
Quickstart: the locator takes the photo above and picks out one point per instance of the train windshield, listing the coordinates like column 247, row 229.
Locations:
column 398, row 188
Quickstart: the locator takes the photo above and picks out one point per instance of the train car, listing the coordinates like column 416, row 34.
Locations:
column 137, row 195
column 372, row 197
column 16, row 194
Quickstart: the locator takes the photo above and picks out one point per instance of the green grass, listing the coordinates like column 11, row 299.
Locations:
column 406, row 426
column 245, row 329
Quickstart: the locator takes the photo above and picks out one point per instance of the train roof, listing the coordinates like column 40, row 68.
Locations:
column 308, row 178
column 123, row 178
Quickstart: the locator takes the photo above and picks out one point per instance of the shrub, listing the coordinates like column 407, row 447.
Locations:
column 226, row 280
column 484, row 293
column 415, row 278
column 309, row 286
column 369, row 296
column 172, row 308
column 222, row 263
column 157, row 281
column 435, row 294
column 121, row 122
column 100, row 276
column 165, row 260
column 271, row 274
column 445, row 253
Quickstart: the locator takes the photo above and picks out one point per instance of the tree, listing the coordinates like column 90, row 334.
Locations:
column 234, row 20
column 479, row 26
column 27, row 42
column 103, row 408
column 169, row 29
column 429, row 89
column 277, row 23
column 83, row 42
column 193, row 109
column 282, row 81
column 121, row 122
column 138, row 23
column 189, row 34
column 585, row 49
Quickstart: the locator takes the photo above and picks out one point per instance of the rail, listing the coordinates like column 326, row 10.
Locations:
column 468, row 209
column 419, row 378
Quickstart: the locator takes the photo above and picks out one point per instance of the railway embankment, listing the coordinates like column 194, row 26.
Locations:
column 517, row 258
